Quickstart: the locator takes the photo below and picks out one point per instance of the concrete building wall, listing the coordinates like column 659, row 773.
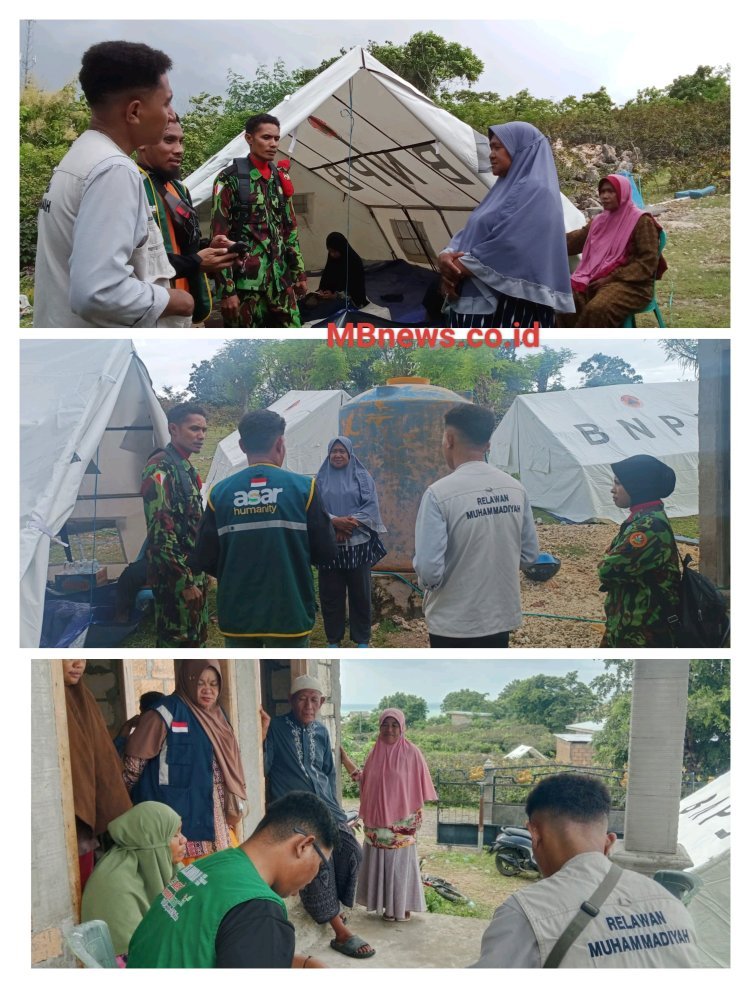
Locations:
column 53, row 909
column 146, row 676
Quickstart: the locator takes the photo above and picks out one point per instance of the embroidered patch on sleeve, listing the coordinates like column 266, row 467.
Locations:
column 637, row 540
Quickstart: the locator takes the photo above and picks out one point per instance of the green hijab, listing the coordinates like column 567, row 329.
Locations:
column 131, row 874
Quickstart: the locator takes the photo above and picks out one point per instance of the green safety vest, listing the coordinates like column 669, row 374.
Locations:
column 180, row 928
column 198, row 282
column 264, row 571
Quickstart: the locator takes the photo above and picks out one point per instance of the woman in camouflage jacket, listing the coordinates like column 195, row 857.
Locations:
column 640, row 573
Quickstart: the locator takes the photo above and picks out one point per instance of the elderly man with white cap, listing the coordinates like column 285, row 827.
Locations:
column 298, row 756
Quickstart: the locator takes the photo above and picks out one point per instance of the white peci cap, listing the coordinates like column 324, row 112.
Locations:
column 306, row 683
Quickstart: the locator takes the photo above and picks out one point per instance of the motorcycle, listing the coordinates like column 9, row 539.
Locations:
column 513, row 853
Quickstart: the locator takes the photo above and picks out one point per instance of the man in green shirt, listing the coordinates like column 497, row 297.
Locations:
column 227, row 909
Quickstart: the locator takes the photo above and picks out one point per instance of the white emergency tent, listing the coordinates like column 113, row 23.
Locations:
column 312, row 420
column 705, row 828
column 89, row 419
column 562, row 443
column 412, row 172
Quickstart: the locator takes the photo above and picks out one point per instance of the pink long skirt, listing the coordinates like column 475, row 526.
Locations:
column 389, row 881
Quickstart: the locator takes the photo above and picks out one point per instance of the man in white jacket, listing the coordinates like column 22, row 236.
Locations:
column 621, row 919
column 474, row 531
column 100, row 257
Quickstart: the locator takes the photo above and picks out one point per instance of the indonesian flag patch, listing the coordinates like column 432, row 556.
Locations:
column 179, row 727
column 258, row 482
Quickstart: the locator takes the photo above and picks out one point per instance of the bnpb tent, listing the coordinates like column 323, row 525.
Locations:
column 561, row 444
column 374, row 158
column 89, row 419
column 705, row 829
column 312, row 420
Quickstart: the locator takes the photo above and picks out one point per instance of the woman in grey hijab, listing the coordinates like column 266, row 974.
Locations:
column 349, row 496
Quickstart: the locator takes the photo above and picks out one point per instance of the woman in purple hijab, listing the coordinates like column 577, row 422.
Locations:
column 509, row 265
column 349, row 496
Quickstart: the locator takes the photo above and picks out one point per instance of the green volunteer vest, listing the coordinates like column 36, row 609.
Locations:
column 200, row 287
column 264, row 571
column 180, row 928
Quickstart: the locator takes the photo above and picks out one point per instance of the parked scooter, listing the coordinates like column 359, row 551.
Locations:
column 513, row 854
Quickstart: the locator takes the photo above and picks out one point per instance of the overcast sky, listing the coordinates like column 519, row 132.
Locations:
column 169, row 363
column 366, row 681
column 552, row 58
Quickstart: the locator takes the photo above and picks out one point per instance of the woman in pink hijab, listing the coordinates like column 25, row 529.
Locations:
column 394, row 784
column 620, row 259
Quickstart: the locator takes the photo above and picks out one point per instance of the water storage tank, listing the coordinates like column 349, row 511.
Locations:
column 397, row 431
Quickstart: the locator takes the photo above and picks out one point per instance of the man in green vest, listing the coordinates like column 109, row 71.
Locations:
column 262, row 531
column 227, row 909
column 160, row 166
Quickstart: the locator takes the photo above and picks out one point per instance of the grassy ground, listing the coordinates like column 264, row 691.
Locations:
column 694, row 292
column 474, row 874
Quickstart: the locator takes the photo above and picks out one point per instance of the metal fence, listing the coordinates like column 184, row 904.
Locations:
column 464, row 809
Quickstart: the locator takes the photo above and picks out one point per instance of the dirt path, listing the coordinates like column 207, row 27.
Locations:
column 573, row 593
column 470, row 871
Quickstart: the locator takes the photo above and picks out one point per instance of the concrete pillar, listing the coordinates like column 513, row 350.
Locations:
column 247, row 727
column 713, row 466
column 657, row 741
column 54, row 853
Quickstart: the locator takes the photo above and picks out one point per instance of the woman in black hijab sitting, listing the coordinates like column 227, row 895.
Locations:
column 344, row 271
column 641, row 571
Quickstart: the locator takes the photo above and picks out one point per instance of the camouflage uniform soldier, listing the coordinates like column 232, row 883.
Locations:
column 641, row 572
column 173, row 506
column 252, row 204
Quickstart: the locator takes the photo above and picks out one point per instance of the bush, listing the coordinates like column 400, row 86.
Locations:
column 49, row 123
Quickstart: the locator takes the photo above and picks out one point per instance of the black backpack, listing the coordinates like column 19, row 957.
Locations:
column 703, row 621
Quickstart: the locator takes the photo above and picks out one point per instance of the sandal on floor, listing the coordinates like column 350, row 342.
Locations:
column 389, row 919
column 404, row 919
column 351, row 946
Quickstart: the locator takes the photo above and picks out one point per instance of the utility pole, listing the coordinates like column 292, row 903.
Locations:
column 28, row 59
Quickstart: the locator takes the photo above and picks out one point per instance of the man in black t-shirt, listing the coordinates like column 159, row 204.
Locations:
column 227, row 909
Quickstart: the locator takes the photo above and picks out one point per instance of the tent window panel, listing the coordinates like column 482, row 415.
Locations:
column 107, row 546
column 539, row 459
column 302, row 203
column 412, row 239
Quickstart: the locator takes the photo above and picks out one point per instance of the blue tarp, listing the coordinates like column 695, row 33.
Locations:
column 637, row 197
column 66, row 620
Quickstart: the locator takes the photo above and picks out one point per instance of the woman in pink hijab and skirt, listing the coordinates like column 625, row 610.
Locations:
column 394, row 785
column 619, row 260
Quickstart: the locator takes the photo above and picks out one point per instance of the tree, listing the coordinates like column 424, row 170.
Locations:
column 426, row 60
column 49, row 123
column 707, row 731
column 466, row 700
column 684, row 352
column 545, row 368
column 414, row 708
column 201, row 125
column 706, row 83
column 553, row 701
column 617, row 679
column 601, row 370
column 612, row 743
column 233, row 376
column 429, row 62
